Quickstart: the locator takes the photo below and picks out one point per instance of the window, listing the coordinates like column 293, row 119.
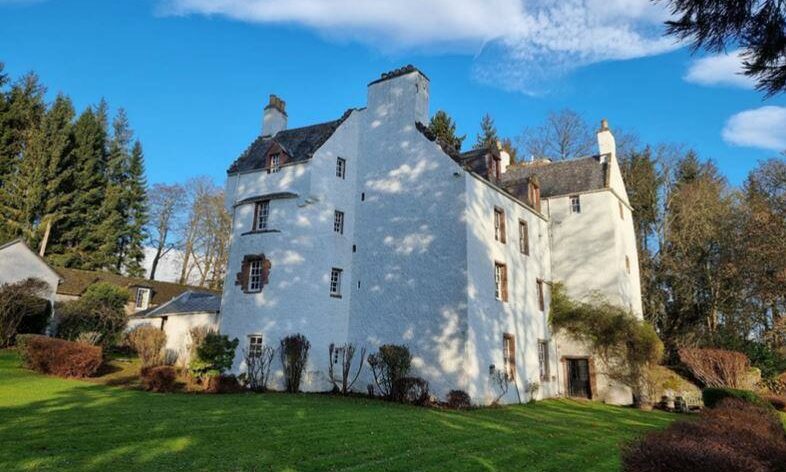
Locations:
column 341, row 168
column 255, row 345
column 500, row 281
column 627, row 264
column 499, row 225
column 509, row 355
column 338, row 222
column 142, row 298
column 335, row 282
column 575, row 204
column 622, row 211
column 261, row 213
column 275, row 164
column 541, row 298
column 534, row 195
column 543, row 360
column 255, row 276
column 523, row 238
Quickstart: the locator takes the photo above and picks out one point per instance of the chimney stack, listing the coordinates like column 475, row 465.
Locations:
column 274, row 117
column 607, row 147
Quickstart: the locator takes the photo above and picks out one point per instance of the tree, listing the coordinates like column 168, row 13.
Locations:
column 757, row 27
column 564, row 135
column 444, row 128
column 507, row 146
column 488, row 133
column 167, row 202
column 135, row 197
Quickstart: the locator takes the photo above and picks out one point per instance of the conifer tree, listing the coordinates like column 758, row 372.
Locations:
column 137, row 216
column 444, row 128
column 488, row 133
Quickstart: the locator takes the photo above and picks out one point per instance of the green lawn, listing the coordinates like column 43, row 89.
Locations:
column 48, row 423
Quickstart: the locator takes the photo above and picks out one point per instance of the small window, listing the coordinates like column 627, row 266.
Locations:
column 523, row 238
column 575, row 204
column 534, row 195
column 500, row 281
column 627, row 264
column 335, row 282
column 543, row 360
column 341, row 168
column 622, row 211
column 142, row 298
column 509, row 355
column 255, row 276
column 338, row 222
column 541, row 297
column 275, row 164
column 499, row 225
column 254, row 345
column 261, row 214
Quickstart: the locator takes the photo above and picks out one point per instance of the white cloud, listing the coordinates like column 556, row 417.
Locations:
column 721, row 69
column 763, row 127
column 519, row 44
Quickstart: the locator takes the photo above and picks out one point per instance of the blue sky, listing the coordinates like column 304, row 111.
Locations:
column 193, row 75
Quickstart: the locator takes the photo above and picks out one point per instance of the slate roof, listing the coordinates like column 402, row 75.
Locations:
column 187, row 302
column 299, row 144
column 557, row 178
column 75, row 281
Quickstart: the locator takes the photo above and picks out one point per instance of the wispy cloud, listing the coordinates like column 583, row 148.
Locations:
column 518, row 44
column 763, row 127
column 721, row 69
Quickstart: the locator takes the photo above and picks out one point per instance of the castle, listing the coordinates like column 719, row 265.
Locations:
column 369, row 230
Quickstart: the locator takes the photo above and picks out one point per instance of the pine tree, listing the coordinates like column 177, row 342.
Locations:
column 137, row 216
column 488, row 133
column 114, row 229
column 443, row 126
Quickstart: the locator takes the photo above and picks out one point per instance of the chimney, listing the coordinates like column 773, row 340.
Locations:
column 399, row 97
column 607, row 147
column 274, row 117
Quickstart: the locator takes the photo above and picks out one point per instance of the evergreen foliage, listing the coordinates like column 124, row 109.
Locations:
column 444, row 128
column 488, row 133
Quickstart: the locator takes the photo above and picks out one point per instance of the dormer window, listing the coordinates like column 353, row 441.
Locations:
column 142, row 298
column 274, row 165
column 261, row 214
column 534, row 195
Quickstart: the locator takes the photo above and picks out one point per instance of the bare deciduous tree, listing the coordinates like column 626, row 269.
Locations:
column 167, row 203
column 344, row 354
column 258, row 367
column 564, row 135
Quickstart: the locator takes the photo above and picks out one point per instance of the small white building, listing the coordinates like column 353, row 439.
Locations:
column 18, row 262
column 366, row 230
column 177, row 317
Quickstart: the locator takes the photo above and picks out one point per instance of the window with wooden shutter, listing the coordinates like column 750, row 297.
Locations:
column 523, row 238
column 254, row 273
column 534, row 195
column 509, row 355
column 500, row 281
column 499, row 225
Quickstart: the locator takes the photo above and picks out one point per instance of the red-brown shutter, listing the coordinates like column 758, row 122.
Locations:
column 504, row 282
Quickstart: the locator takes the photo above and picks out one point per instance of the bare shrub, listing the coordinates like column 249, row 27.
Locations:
column 17, row 301
column 501, row 382
column 716, row 367
column 223, row 384
column 344, row 355
column 390, row 364
column 294, row 357
column 59, row 357
column 412, row 390
column 158, row 379
column 258, row 368
column 459, row 400
column 734, row 436
column 92, row 338
column 196, row 336
column 148, row 342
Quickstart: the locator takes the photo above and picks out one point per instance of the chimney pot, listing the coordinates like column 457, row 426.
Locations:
column 604, row 124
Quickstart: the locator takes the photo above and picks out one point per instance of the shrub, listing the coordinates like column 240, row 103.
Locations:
column 411, row 390
column 390, row 364
column 148, row 342
column 713, row 396
column 343, row 355
column 258, row 367
column 294, row 356
column 59, row 357
column 159, row 379
column 716, row 367
column 777, row 402
column 223, row 384
column 214, row 355
column 101, row 309
column 196, row 336
column 459, row 399
column 19, row 303
column 734, row 436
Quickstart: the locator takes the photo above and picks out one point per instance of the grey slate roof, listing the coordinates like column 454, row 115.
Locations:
column 299, row 144
column 557, row 178
column 188, row 302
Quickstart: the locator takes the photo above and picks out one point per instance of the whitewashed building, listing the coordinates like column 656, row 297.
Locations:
column 367, row 230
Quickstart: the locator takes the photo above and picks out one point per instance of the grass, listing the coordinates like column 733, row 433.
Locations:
column 48, row 423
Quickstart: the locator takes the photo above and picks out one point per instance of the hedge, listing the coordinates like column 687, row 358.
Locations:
column 713, row 396
column 59, row 357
